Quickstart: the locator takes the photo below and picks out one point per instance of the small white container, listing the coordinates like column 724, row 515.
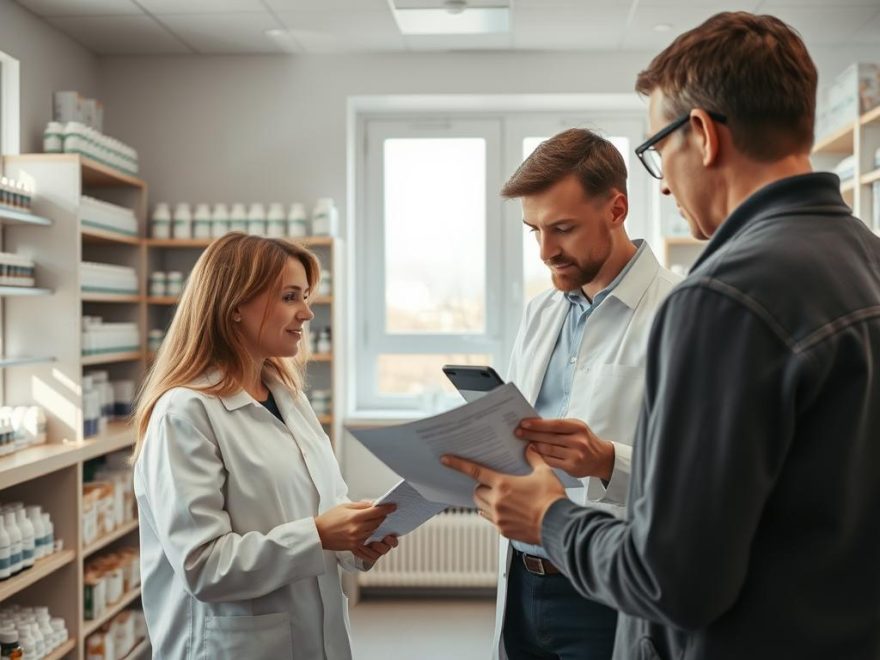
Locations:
column 325, row 218
column 53, row 138
column 219, row 220
column 276, row 223
column 202, row 222
column 154, row 339
column 175, row 283
column 160, row 222
column 325, row 286
column 297, row 222
column 158, row 283
column 238, row 218
column 256, row 223
column 182, row 221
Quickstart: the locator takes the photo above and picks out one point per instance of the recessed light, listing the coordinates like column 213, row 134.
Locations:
column 662, row 27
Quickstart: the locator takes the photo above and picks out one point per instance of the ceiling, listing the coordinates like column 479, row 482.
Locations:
column 213, row 27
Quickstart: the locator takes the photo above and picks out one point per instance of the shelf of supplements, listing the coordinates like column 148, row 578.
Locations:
column 90, row 626
column 840, row 142
column 88, row 296
column 23, row 291
column 61, row 651
column 10, row 217
column 140, row 650
column 107, row 539
column 109, row 358
column 181, row 243
column 93, row 235
column 24, row 360
column 119, row 435
column 42, row 568
column 871, row 117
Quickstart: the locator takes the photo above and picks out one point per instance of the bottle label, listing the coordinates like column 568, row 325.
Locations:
column 4, row 563
column 27, row 554
column 15, row 559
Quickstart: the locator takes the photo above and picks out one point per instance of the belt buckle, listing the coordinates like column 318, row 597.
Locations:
column 529, row 562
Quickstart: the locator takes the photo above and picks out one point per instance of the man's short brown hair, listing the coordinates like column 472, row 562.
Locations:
column 595, row 162
column 755, row 70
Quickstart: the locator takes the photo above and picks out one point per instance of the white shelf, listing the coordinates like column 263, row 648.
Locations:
column 106, row 237
column 24, row 291
column 18, row 361
column 108, row 358
column 107, row 539
column 118, row 435
column 111, row 297
column 10, row 216
column 40, row 569
column 62, row 650
column 90, row 626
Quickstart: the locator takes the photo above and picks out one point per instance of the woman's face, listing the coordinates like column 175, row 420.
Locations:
column 285, row 313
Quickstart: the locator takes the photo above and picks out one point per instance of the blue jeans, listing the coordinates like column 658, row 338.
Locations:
column 546, row 619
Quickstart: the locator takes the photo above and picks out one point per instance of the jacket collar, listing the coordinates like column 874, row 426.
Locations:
column 232, row 401
column 815, row 192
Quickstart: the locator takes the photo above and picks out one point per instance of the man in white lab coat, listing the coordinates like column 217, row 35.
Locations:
column 579, row 358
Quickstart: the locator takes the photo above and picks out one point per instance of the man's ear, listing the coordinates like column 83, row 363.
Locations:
column 618, row 205
column 705, row 136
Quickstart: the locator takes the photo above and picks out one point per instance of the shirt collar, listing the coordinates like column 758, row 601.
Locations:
column 631, row 282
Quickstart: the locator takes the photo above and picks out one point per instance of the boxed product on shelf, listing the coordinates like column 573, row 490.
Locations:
column 16, row 270
column 108, row 577
column 100, row 338
column 107, row 278
column 70, row 106
column 855, row 90
column 116, row 639
column 104, row 401
column 39, row 633
column 104, row 215
column 77, row 138
column 108, row 498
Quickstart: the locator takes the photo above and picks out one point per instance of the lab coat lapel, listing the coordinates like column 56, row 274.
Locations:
column 305, row 438
column 547, row 328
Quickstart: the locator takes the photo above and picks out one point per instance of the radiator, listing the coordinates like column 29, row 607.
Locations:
column 456, row 548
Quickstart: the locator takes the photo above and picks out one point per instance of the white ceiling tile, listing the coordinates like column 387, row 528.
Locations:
column 569, row 29
column 869, row 33
column 81, row 7
column 702, row 5
column 224, row 33
column 825, row 26
column 335, row 31
column 438, row 4
column 767, row 6
column 120, row 35
column 326, row 5
column 589, row 5
column 200, row 6
column 458, row 42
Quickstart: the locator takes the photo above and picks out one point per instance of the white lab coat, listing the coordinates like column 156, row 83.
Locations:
column 608, row 380
column 231, row 562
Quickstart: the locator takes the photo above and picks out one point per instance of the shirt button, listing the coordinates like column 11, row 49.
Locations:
column 572, row 360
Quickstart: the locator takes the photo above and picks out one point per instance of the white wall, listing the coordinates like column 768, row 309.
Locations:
column 49, row 61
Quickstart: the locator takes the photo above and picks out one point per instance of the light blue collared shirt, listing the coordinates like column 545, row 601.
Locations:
column 555, row 395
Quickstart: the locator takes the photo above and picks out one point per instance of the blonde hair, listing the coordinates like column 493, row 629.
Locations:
column 203, row 336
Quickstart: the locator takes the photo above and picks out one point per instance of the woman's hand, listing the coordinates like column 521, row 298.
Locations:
column 347, row 526
column 372, row 552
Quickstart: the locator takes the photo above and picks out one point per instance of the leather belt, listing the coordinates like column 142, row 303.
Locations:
column 537, row 565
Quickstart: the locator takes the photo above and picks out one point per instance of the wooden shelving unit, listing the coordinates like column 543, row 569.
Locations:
column 42, row 568
column 861, row 139
column 24, row 291
column 62, row 650
column 107, row 539
column 139, row 649
column 91, row 626
column 10, row 216
column 51, row 475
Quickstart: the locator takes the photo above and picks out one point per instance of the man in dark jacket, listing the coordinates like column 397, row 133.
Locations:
column 753, row 526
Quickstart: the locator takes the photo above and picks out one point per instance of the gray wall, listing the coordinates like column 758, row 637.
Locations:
column 50, row 61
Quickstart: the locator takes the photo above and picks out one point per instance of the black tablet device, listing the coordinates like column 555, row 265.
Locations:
column 472, row 382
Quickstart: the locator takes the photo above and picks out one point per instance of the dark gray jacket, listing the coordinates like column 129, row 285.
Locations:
column 753, row 524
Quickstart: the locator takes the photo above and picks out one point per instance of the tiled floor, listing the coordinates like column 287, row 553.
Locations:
column 422, row 629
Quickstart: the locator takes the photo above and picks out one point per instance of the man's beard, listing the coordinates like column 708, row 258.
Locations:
column 576, row 278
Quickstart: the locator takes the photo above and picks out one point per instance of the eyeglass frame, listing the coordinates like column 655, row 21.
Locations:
column 666, row 131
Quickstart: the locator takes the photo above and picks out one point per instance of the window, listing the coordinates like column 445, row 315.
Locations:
column 443, row 265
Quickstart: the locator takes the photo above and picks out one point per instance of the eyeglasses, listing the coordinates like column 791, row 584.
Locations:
column 649, row 155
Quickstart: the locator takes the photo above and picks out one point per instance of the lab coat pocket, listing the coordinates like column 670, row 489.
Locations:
column 615, row 401
column 237, row 637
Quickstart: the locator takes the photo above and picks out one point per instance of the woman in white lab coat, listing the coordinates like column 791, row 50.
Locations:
column 244, row 519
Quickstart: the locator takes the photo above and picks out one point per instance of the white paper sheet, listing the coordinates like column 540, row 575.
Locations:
column 481, row 431
column 412, row 511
